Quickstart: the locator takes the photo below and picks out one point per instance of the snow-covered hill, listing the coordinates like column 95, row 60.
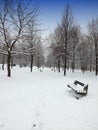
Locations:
column 42, row 101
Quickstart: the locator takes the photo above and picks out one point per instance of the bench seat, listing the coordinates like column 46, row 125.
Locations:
column 77, row 88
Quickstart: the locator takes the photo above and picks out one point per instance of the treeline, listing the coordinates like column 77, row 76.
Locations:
column 21, row 41
column 70, row 48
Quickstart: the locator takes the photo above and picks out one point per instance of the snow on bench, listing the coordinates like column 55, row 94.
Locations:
column 79, row 87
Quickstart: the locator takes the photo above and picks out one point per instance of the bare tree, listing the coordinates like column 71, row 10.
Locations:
column 31, row 38
column 39, row 55
column 14, row 17
column 2, row 53
column 93, row 32
column 83, row 53
column 74, row 40
column 57, row 47
column 90, row 54
column 54, row 56
column 66, row 24
column 64, row 40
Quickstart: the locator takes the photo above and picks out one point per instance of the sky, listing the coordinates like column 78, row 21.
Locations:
column 51, row 12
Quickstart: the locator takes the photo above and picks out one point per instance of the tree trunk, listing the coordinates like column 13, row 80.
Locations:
column 2, row 62
column 65, row 65
column 54, row 65
column 38, row 64
column 65, row 58
column 9, row 64
column 96, row 64
column 96, row 53
column 90, row 67
column 58, row 63
column 31, row 62
column 73, row 63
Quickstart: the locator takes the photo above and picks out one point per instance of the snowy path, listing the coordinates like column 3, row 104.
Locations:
column 41, row 101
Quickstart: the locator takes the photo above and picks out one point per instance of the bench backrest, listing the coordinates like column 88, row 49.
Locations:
column 78, row 82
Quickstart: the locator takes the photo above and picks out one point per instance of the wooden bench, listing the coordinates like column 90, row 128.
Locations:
column 79, row 88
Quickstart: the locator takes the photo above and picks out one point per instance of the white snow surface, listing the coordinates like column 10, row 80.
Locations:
column 42, row 101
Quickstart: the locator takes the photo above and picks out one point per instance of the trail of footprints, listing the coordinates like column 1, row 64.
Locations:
column 38, row 120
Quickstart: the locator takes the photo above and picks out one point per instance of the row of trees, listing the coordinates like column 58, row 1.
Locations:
column 20, row 39
column 71, row 49
column 21, row 42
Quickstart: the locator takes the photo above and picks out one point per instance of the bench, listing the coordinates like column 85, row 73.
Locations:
column 79, row 88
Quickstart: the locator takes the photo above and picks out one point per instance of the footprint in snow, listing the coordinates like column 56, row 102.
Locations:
column 2, row 125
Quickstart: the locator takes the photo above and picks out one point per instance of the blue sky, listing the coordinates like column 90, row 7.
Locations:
column 51, row 12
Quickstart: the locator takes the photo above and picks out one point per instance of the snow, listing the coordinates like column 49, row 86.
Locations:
column 77, row 87
column 42, row 101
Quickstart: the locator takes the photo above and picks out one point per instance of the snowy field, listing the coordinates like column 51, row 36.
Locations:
column 42, row 101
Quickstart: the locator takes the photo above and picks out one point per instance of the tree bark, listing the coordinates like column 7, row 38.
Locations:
column 58, row 59
column 31, row 62
column 9, row 64
column 65, row 57
column 38, row 64
column 96, row 64
column 96, row 53
column 73, row 63
column 59, row 65
column 2, row 62
column 65, row 66
column 54, row 65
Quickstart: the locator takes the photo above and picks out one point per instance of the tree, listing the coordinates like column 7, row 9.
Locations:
column 64, row 41
column 57, row 47
column 31, row 38
column 16, row 15
column 90, row 54
column 74, row 40
column 93, row 32
column 66, row 26
column 51, row 53
column 83, row 53
column 54, row 49
column 39, row 55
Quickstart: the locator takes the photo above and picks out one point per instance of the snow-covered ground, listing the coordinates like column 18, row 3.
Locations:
column 42, row 101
